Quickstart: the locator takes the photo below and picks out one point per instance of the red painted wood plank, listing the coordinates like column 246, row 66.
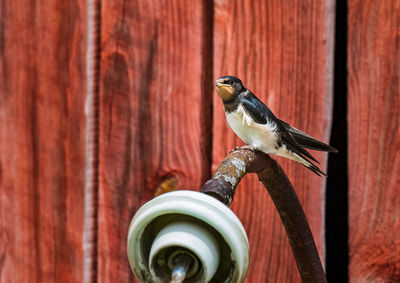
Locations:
column 282, row 51
column 42, row 141
column 152, row 133
column 374, row 140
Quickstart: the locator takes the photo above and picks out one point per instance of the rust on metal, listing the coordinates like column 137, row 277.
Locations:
column 227, row 177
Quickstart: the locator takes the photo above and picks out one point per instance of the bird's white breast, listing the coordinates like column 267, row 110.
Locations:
column 261, row 136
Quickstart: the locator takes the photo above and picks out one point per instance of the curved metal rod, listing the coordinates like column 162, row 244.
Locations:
column 225, row 181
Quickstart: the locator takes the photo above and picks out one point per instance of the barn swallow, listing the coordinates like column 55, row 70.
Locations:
column 261, row 130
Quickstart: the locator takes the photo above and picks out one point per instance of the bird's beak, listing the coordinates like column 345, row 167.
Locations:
column 225, row 91
column 220, row 83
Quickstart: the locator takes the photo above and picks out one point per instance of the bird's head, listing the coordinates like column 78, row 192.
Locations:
column 228, row 87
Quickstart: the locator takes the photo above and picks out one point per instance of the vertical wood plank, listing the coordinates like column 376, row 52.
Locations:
column 282, row 51
column 151, row 129
column 42, row 145
column 374, row 140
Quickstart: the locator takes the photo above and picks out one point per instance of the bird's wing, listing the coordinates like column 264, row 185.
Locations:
column 291, row 144
column 258, row 111
column 261, row 114
column 255, row 108
column 306, row 140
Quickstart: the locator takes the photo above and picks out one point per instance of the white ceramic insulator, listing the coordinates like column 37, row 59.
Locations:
column 199, row 209
column 192, row 237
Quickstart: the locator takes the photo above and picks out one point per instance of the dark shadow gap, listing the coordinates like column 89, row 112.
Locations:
column 336, row 216
column 207, row 88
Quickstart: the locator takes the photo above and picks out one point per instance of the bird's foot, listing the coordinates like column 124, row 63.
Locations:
column 252, row 148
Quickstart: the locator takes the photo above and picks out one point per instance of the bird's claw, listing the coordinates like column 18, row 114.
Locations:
column 245, row 147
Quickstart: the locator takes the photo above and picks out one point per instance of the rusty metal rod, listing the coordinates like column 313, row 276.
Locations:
column 225, row 181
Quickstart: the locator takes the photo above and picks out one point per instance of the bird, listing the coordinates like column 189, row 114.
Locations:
column 261, row 130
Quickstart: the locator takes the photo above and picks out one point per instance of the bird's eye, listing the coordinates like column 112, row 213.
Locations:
column 230, row 82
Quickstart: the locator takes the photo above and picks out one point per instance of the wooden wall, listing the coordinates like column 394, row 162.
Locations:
column 105, row 104
column 374, row 140
column 42, row 141
column 283, row 52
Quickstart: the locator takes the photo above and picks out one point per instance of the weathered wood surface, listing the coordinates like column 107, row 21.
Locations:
column 153, row 130
column 155, row 101
column 42, row 140
column 282, row 51
column 374, row 140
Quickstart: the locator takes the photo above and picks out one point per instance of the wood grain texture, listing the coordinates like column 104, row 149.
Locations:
column 42, row 145
column 152, row 95
column 374, row 140
column 282, row 51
